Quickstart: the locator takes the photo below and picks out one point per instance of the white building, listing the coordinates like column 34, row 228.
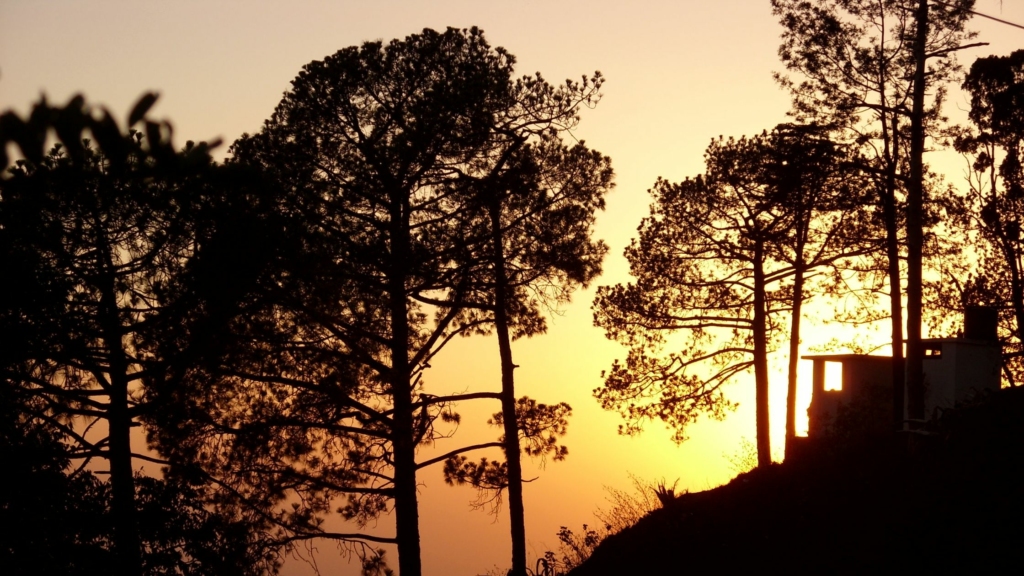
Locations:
column 955, row 370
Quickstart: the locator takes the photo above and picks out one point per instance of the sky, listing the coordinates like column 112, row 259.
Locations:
column 678, row 73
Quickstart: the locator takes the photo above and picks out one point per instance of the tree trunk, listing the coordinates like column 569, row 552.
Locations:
column 892, row 252
column 915, row 233
column 407, row 531
column 122, row 480
column 508, row 396
column 127, row 545
column 1009, row 251
column 794, row 349
column 760, row 329
column 1009, row 247
column 1017, row 294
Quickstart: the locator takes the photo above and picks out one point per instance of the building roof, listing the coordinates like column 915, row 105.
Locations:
column 841, row 357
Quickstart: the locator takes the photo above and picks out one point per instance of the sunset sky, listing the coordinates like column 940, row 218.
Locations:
column 679, row 72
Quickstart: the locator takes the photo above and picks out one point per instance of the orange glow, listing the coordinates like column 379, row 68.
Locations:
column 678, row 74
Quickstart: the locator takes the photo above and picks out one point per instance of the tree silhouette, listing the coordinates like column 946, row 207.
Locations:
column 823, row 194
column 995, row 195
column 852, row 65
column 537, row 199
column 56, row 520
column 92, row 234
column 692, row 223
column 265, row 399
column 60, row 517
column 371, row 149
column 720, row 259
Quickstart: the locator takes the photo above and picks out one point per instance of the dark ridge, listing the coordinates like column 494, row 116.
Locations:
column 851, row 508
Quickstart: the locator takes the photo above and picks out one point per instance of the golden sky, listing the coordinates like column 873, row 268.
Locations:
column 679, row 72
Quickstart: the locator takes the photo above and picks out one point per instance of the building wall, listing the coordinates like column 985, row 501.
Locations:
column 864, row 403
column 964, row 369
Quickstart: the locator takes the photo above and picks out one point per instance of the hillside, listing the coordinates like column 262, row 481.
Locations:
column 851, row 508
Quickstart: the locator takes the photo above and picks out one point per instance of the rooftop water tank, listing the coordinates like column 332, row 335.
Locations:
column 980, row 323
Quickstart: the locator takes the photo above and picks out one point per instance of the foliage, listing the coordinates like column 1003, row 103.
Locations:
column 994, row 200
column 366, row 148
column 711, row 264
column 851, row 61
column 94, row 230
column 537, row 199
column 60, row 517
column 850, row 66
column 540, row 426
column 664, row 493
column 574, row 548
column 375, row 565
column 627, row 508
column 744, row 459
column 382, row 157
column 51, row 515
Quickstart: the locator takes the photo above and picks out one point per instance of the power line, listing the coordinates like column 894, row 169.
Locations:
column 1000, row 20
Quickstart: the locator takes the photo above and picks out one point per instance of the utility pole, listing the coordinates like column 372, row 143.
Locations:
column 915, row 233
